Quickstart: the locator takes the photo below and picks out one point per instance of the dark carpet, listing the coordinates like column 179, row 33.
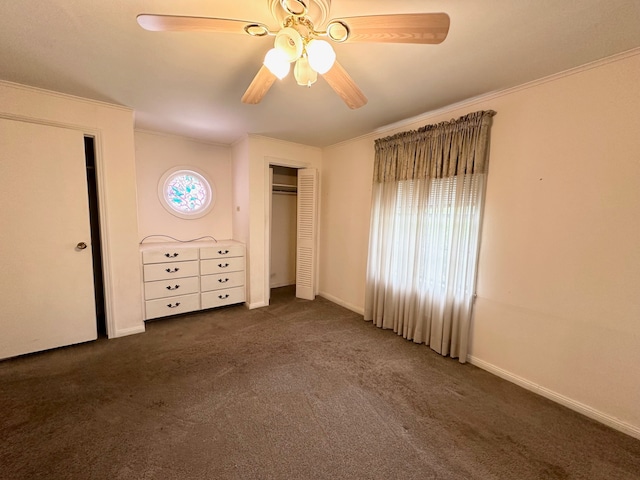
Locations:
column 298, row 390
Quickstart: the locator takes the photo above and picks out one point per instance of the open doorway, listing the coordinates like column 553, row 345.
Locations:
column 306, row 225
column 284, row 202
column 96, row 245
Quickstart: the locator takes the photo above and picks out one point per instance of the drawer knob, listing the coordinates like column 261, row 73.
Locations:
column 223, row 280
column 223, row 297
column 171, row 305
column 169, row 287
column 168, row 270
column 223, row 265
column 169, row 255
column 223, row 252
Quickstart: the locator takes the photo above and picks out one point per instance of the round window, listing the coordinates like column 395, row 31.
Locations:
column 186, row 193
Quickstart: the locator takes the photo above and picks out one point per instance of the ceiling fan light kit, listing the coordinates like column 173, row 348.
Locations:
column 299, row 42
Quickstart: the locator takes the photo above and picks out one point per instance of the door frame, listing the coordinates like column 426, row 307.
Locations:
column 102, row 209
column 279, row 162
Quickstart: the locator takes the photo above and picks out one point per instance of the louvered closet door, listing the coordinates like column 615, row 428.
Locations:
column 307, row 232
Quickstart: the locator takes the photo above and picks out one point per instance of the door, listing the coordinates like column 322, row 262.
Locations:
column 306, row 233
column 47, row 277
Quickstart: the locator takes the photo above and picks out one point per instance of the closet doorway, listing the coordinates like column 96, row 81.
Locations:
column 284, row 205
column 292, row 232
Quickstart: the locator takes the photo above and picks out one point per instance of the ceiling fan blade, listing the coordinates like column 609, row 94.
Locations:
column 345, row 87
column 425, row 28
column 177, row 23
column 259, row 87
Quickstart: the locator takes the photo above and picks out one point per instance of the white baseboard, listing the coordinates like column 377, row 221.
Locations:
column 251, row 306
column 342, row 303
column 123, row 332
column 586, row 410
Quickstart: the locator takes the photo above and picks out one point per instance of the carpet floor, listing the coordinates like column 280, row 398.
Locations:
column 297, row 390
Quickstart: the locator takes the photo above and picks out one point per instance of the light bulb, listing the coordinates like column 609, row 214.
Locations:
column 321, row 56
column 276, row 61
column 303, row 72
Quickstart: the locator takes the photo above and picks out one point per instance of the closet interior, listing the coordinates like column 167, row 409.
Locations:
column 284, row 200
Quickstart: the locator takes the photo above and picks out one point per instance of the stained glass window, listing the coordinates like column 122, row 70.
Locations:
column 187, row 193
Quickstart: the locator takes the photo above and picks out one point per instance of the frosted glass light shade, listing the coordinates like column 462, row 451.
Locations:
column 321, row 56
column 303, row 72
column 289, row 41
column 277, row 63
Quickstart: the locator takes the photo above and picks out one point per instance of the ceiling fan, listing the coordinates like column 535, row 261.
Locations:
column 299, row 42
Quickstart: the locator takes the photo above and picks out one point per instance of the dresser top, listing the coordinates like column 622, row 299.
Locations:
column 193, row 244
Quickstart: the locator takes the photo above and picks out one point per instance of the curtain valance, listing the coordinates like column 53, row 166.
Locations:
column 441, row 150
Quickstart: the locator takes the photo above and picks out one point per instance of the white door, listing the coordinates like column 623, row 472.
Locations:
column 306, row 233
column 47, row 278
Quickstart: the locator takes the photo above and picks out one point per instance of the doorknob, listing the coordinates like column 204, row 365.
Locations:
column 81, row 246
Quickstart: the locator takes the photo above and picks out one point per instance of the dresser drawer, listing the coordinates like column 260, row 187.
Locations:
column 163, row 307
column 221, row 281
column 222, row 251
column 221, row 265
column 166, row 271
column 219, row 298
column 169, row 288
column 169, row 255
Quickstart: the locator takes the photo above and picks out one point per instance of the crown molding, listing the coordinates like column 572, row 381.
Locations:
column 66, row 96
column 177, row 136
column 255, row 136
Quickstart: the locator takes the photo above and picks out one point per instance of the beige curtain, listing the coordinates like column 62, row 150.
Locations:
column 427, row 203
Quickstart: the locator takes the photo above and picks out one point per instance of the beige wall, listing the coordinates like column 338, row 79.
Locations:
column 113, row 127
column 157, row 153
column 558, row 308
column 347, row 172
column 240, row 214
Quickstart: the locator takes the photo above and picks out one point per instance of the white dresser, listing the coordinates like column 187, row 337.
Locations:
column 184, row 277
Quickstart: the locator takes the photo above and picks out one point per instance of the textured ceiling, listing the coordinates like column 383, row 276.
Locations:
column 191, row 83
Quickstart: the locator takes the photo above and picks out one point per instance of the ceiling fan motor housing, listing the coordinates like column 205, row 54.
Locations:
column 317, row 10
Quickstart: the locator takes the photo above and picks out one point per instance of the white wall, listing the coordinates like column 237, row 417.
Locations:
column 558, row 307
column 155, row 154
column 113, row 127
